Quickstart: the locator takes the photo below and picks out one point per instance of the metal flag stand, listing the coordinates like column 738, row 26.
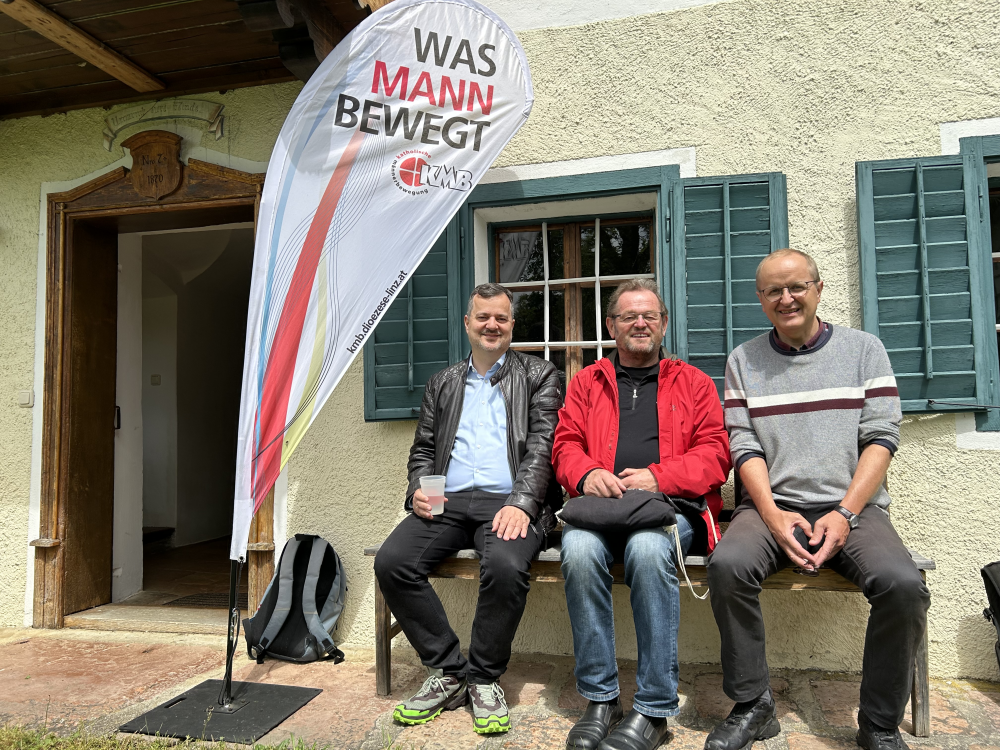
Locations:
column 214, row 710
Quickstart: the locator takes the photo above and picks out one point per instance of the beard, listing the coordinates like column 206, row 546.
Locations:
column 640, row 346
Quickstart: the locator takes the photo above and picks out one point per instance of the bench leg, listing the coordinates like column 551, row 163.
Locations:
column 383, row 644
column 920, row 709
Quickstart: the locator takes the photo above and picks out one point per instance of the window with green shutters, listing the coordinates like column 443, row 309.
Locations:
column 413, row 340
column 704, row 266
column 730, row 224
column 923, row 266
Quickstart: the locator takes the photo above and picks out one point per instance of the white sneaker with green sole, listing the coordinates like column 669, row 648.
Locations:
column 489, row 709
column 437, row 694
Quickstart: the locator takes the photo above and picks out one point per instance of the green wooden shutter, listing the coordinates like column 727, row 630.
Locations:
column 921, row 261
column 730, row 224
column 412, row 341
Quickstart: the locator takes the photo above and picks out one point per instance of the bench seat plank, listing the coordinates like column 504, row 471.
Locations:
column 546, row 569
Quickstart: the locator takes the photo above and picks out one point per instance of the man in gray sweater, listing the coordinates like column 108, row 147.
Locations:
column 813, row 416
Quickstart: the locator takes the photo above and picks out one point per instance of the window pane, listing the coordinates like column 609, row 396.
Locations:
column 557, row 315
column 520, row 257
column 556, row 254
column 605, row 297
column 589, row 356
column 529, row 316
column 625, row 249
column 587, row 251
column 589, row 322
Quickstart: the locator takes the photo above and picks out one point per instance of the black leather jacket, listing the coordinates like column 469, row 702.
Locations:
column 530, row 388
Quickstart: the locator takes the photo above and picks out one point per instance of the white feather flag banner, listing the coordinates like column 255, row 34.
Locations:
column 378, row 152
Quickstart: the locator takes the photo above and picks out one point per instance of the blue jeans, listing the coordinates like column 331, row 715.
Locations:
column 651, row 574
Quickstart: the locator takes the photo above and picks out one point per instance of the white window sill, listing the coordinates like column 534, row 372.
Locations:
column 966, row 437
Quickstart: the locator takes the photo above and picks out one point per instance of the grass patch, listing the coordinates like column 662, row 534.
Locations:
column 17, row 738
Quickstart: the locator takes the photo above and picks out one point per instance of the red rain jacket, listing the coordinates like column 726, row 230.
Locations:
column 694, row 446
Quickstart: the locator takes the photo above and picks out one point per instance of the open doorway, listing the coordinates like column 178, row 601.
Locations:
column 89, row 549
column 183, row 298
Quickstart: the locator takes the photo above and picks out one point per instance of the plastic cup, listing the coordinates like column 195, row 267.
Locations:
column 433, row 487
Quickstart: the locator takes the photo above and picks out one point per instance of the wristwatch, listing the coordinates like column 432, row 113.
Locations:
column 852, row 518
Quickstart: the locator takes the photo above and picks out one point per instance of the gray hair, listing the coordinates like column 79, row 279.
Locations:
column 486, row 291
column 784, row 253
column 634, row 285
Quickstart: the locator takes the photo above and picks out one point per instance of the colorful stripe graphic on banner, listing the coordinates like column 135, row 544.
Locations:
column 381, row 147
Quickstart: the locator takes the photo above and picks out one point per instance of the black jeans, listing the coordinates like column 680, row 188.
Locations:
column 417, row 545
column 873, row 558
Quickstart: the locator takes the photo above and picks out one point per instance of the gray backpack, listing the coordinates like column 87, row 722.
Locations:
column 301, row 606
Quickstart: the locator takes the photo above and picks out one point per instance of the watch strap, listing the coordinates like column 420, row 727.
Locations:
column 851, row 517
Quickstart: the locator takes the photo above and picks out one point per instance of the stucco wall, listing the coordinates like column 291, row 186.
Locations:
column 797, row 86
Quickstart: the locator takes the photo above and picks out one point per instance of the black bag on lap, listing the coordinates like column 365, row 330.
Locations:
column 991, row 577
column 634, row 510
column 301, row 605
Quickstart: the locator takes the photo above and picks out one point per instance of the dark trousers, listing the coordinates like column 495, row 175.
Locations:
column 417, row 545
column 873, row 558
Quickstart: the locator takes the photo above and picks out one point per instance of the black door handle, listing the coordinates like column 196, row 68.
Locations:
column 118, row 417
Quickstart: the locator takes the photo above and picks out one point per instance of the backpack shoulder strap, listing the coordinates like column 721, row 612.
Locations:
column 309, row 608
column 284, row 602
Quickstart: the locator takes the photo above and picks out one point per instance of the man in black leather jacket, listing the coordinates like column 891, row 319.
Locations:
column 486, row 424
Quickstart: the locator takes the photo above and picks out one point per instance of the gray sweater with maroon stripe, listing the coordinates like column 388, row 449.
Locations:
column 810, row 413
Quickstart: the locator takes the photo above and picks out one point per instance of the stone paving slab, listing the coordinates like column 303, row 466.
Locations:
column 61, row 679
column 61, row 683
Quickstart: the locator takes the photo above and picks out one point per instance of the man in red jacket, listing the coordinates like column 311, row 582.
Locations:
column 635, row 420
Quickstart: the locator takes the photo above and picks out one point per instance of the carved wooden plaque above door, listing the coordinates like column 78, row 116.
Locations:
column 156, row 162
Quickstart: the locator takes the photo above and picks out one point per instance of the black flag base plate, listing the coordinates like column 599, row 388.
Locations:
column 254, row 711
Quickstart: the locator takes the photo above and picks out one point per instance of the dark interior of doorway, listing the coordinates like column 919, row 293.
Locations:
column 195, row 294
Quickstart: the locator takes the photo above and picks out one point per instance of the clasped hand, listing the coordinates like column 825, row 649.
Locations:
column 602, row 483
column 832, row 530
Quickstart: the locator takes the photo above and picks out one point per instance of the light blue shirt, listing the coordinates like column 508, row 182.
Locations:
column 479, row 456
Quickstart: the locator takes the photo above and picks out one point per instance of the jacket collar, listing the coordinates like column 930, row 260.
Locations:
column 669, row 366
column 511, row 360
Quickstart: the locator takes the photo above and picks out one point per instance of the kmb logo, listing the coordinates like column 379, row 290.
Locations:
column 413, row 174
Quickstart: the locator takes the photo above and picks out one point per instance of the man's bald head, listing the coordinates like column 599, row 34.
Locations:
column 784, row 253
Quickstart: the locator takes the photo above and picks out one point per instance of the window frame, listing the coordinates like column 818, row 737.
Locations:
column 650, row 180
column 597, row 219
column 983, row 317
column 982, row 148
column 665, row 189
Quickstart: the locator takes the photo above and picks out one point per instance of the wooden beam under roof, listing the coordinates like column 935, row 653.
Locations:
column 68, row 36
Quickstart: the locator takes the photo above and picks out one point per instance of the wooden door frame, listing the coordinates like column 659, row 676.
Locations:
column 208, row 194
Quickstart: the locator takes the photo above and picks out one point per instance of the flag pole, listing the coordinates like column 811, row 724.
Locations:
column 226, row 698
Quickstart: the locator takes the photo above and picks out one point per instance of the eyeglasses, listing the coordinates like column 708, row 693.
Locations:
column 798, row 289
column 630, row 317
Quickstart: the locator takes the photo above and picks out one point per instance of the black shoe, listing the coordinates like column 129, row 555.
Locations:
column 872, row 737
column 636, row 732
column 599, row 719
column 746, row 723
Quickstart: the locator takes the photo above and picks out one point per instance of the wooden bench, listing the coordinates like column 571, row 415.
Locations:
column 546, row 569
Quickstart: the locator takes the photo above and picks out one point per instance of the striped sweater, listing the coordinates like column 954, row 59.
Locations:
column 809, row 413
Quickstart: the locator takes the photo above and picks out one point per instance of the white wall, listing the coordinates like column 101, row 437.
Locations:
column 159, row 404
column 127, row 555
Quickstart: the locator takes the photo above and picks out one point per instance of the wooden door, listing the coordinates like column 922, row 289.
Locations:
column 88, row 489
